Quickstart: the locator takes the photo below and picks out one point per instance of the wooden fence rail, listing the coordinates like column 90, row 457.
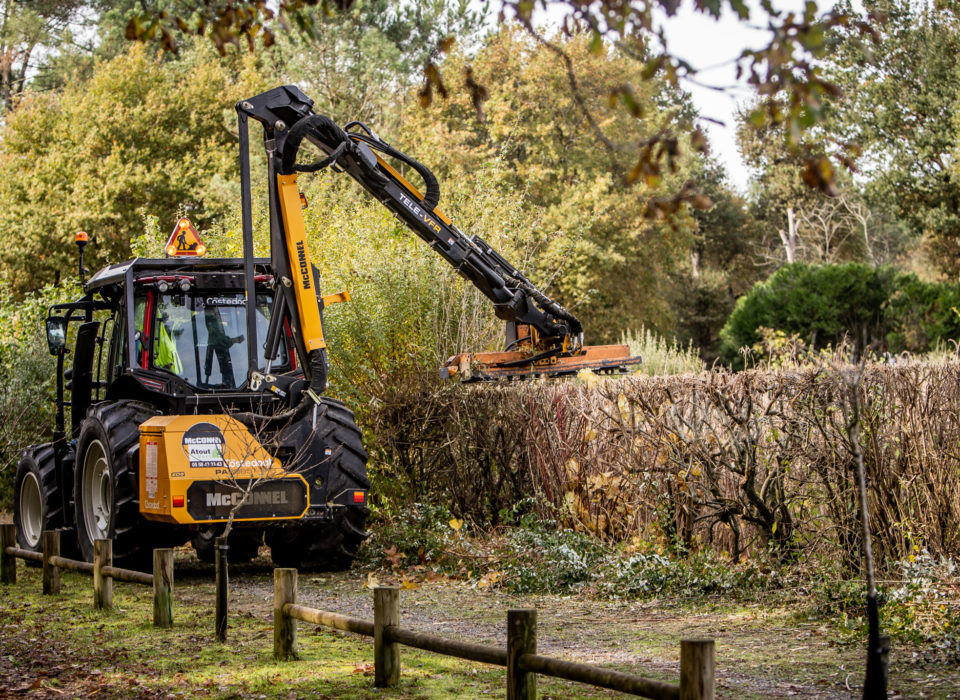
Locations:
column 519, row 657
column 102, row 569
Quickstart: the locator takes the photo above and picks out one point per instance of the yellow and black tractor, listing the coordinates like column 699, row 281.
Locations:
column 196, row 385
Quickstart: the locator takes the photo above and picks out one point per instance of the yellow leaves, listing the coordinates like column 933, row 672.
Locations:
column 371, row 581
column 588, row 377
column 590, row 435
column 409, row 584
column 455, row 524
column 490, row 579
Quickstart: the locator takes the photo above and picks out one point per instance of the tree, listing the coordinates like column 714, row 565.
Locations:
column 27, row 30
column 606, row 254
column 899, row 104
column 143, row 136
column 786, row 67
column 722, row 264
column 361, row 63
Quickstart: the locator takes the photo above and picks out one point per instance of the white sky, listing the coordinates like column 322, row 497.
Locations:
column 711, row 46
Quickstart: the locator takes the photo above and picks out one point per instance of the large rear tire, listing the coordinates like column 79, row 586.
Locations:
column 106, row 489
column 330, row 546
column 37, row 501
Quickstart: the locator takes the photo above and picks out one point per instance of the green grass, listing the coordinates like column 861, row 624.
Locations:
column 62, row 647
column 63, row 643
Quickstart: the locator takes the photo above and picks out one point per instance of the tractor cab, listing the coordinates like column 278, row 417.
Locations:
column 171, row 332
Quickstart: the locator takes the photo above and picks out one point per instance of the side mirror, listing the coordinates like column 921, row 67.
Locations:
column 56, row 334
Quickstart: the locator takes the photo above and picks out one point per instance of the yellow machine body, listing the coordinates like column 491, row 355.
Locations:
column 195, row 469
column 291, row 209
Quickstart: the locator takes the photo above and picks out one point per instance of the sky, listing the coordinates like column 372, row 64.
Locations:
column 711, row 46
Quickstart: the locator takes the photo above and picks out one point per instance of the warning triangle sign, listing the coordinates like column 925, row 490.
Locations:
column 185, row 240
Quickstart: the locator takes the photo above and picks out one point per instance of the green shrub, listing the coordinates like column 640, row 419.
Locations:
column 825, row 305
column 27, row 378
column 822, row 304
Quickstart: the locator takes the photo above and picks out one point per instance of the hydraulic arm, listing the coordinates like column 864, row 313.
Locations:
column 542, row 337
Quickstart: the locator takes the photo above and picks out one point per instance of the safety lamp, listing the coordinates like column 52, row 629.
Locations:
column 178, row 501
column 81, row 240
column 358, row 496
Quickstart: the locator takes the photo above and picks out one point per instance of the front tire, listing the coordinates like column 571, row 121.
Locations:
column 106, row 489
column 37, row 501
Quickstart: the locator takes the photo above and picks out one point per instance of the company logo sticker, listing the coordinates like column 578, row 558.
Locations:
column 203, row 444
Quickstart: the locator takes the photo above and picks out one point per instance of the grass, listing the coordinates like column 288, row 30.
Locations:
column 660, row 356
column 62, row 647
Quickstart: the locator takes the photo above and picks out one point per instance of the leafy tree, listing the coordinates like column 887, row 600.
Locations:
column 143, row 136
column 362, row 63
column 785, row 67
column 27, row 31
column 899, row 105
column 722, row 264
column 606, row 254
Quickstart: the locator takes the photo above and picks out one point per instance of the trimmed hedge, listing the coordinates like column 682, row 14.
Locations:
column 732, row 461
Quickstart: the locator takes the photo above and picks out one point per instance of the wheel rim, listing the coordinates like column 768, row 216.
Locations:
column 97, row 492
column 31, row 510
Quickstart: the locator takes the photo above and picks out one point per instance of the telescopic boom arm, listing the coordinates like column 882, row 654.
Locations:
column 539, row 330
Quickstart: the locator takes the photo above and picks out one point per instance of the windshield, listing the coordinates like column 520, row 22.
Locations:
column 202, row 337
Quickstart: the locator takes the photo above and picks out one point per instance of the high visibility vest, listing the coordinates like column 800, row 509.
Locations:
column 166, row 355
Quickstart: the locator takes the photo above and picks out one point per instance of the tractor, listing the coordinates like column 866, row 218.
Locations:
column 196, row 385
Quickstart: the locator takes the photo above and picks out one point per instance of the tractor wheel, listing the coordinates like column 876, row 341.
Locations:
column 37, row 502
column 330, row 546
column 244, row 545
column 106, row 490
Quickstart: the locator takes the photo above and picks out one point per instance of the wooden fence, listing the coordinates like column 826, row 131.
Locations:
column 520, row 656
column 102, row 570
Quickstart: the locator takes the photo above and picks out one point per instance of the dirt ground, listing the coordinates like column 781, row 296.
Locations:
column 61, row 647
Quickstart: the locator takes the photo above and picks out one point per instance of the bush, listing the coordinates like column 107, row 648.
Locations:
column 822, row 304
column 27, row 378
column 826, row 305
column 745, row 463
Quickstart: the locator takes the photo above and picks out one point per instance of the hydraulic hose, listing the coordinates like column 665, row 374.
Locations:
column 258, row 423
column 432, row 196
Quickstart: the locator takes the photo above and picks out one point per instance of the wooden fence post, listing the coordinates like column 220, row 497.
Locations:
column 521, row 639
column 220, row 563
column 51, row 574
column 163, row 588
column 284, row 627
column 696, row 669
column 386, row 654
column 102, row 585
column 8, row 562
